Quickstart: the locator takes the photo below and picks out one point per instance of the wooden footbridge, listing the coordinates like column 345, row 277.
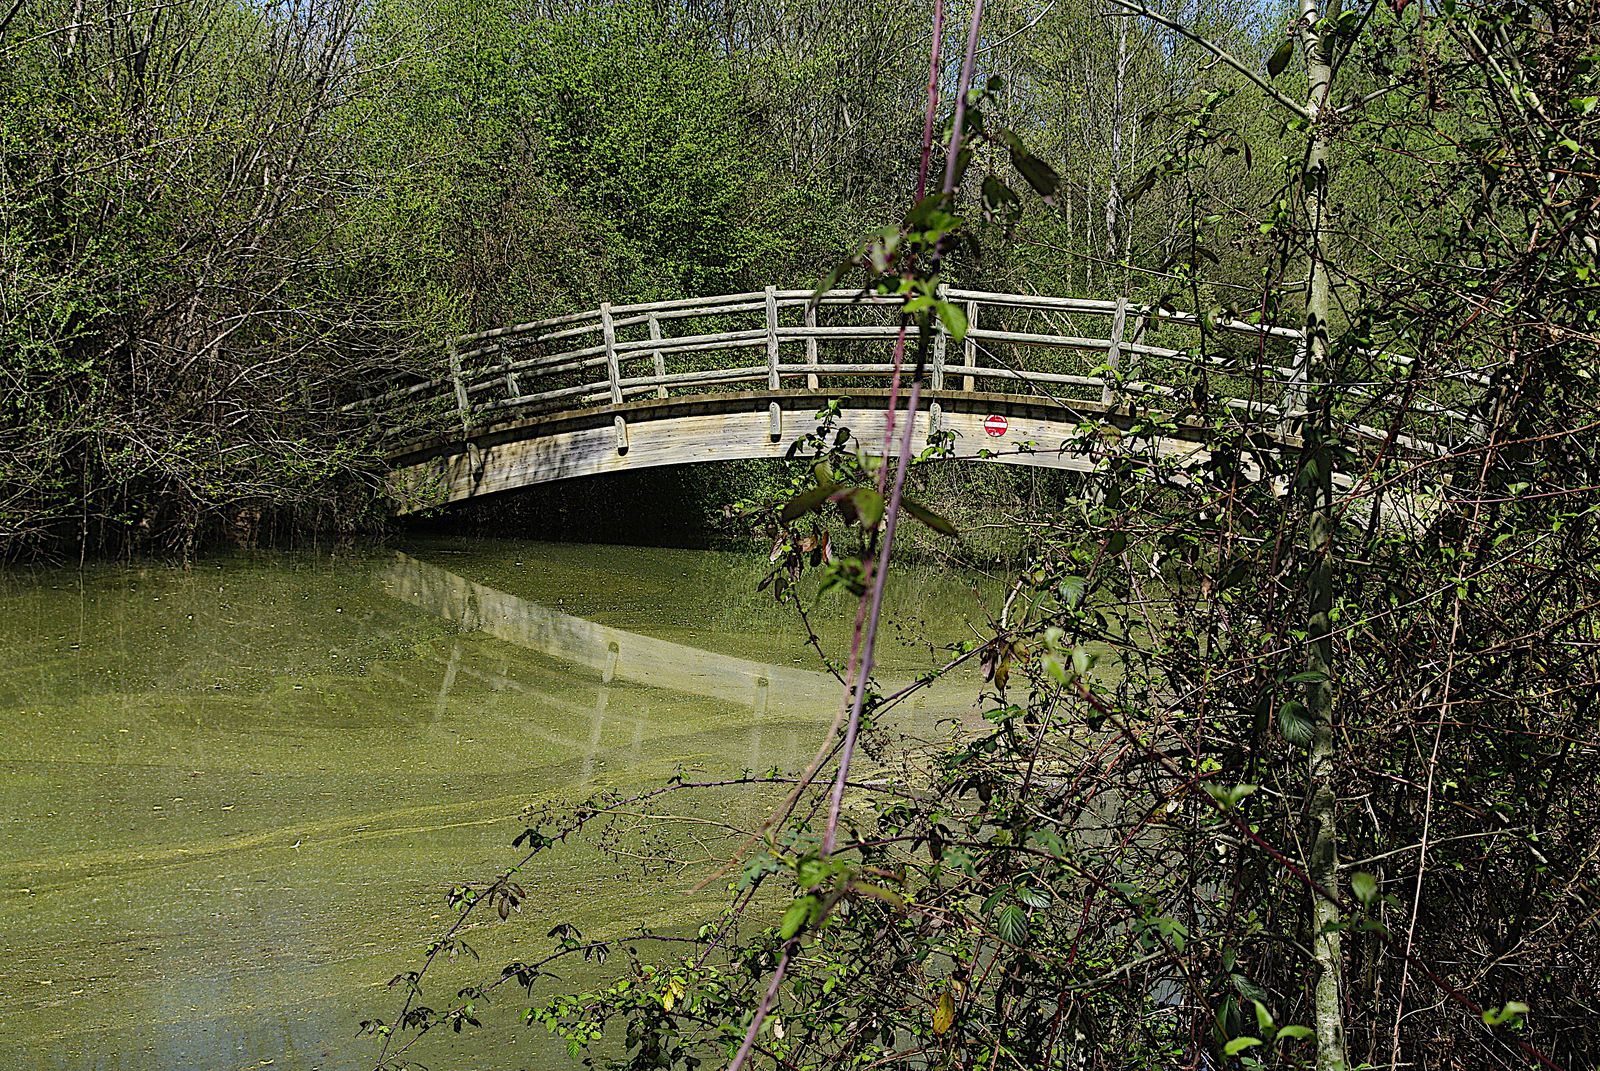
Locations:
column 1043, row 381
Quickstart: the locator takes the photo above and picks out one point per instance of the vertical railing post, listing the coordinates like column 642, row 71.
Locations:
column 463, row 407
column 1136, row 359
column 1119, row 320
column 773, row 379
column 1294, row 398
column 970, row 347
column 811, row 345
column 936, row 378
column 608, row 333
column 774, row 410
column 656, row 355
column 513, row 389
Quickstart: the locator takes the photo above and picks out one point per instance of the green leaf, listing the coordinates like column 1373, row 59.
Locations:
column 1000, row 201
column 1510, row 1013
column 1294, row 1032
column 812, row 871
column 923, row 211
column 1012, row 924
column 1040, row 175
column 1141, row 187
column 1364, row 886
column 869, row 506
column 929, row 518
column 1278, row 62
column 835, row 275
column 805, row 502
column 795, row 918
column 1238, row 1045
column 1295, row 721
column 1229, row 797
column 879, row 892
column 1034, row 897
column 944, row 1016
column 954, row 319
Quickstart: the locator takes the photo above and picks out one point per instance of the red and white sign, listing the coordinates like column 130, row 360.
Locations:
column 995, row 425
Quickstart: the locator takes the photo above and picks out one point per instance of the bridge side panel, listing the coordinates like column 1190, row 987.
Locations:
column 700, row 438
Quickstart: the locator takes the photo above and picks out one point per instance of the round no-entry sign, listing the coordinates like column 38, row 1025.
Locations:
column 995, row 425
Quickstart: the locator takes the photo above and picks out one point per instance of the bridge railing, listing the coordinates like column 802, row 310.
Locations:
column 1068, row 349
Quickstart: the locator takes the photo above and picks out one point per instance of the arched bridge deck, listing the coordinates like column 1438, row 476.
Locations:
column 742, row 375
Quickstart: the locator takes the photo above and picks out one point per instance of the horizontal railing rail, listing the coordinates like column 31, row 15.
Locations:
column 1068, row 349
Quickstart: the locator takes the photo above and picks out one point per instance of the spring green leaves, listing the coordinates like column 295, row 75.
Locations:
column 859, row 503
column 1509, row 1014
column 1278, row 62
column 823, row 883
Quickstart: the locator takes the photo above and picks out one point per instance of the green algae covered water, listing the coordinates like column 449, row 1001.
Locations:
column 234, row 796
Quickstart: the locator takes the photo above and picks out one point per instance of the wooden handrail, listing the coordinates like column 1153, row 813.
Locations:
column 518, row 369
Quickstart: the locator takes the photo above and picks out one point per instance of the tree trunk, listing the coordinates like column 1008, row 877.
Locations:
column 1322, row 802
column 1114, row 192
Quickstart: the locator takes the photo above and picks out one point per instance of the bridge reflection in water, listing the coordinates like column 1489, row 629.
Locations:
column 786, row 699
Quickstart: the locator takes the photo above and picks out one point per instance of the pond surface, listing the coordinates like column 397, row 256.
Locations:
column 232, row 798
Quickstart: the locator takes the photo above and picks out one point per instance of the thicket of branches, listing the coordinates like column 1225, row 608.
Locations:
column 1290, row 755
column 217, row 218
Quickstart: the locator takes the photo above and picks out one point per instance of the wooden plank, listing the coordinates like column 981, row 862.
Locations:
column 852, row 331
column 1236, row 326
column 839, row 369
column 549, row 366
column 839, row 297
column 659, row 358
column 570, row 332
column 691, row 314
column 613, row 373
column 523, row 329
column 1022, row 375
column 687, row 303
column 772, row 338
column 689, row 343
column 707, row 376
column 811, row 343
column 565, row 355
column 1027, row 338
column 715, row 437
column 1033, row 301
